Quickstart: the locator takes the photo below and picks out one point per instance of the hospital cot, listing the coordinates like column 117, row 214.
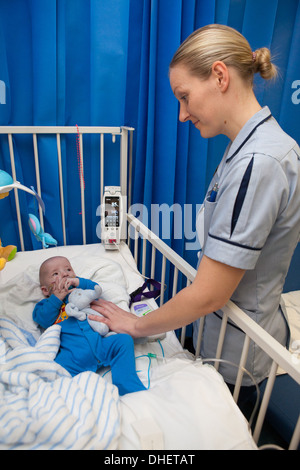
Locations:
column 187, row 404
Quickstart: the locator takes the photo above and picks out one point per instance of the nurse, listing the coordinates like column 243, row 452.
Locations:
column 250, row 224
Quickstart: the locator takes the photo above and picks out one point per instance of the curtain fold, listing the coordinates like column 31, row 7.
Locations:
column 95, row 62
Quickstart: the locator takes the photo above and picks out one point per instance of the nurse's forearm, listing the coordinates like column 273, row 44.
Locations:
column 212, row 288
column 175, row 313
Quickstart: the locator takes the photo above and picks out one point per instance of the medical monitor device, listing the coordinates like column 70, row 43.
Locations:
column 113, row 217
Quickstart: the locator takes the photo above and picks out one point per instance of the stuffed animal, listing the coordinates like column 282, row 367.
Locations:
column 7, row 253
column 78, row 306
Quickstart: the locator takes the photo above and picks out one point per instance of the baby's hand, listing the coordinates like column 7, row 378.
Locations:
column 72, row 282
column 61, row 288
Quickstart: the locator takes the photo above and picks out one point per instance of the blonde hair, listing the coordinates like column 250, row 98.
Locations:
column 222, row 43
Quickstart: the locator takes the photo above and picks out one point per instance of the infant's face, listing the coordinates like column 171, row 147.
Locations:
column 57, row 269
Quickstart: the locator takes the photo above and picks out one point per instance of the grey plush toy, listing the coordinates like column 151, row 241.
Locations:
column 78, row 306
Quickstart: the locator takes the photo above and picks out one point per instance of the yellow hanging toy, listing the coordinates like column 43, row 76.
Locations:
column 7, row 253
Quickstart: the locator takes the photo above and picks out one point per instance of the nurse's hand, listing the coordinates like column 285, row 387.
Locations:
column 115, row 318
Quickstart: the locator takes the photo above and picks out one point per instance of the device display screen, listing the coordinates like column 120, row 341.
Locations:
column 111, row 211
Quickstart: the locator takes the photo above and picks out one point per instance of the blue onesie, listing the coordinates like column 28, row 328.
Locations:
column 83, row 349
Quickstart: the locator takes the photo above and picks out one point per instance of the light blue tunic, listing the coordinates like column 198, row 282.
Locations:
column 254, row 224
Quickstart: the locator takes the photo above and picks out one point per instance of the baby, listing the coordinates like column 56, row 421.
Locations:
column 81, row 347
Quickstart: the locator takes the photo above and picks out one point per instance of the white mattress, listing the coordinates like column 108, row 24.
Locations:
column 292, row 305
column 187, row 404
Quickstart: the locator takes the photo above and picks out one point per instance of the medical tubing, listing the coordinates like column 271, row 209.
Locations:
column 161, row 347
column 149, row 355
column 270, row 447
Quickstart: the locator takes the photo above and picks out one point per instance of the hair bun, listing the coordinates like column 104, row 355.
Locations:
column 262, row 63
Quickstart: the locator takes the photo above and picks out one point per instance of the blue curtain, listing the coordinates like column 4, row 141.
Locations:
column 63, row 63
column 105, row 62
column 173, row 164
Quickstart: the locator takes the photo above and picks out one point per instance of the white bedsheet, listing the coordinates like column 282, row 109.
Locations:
column 187, row 402
column 191, row 406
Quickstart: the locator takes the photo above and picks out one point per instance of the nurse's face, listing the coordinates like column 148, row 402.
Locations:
column 199, row 100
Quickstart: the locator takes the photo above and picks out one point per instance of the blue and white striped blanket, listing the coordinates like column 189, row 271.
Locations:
column 42, row 406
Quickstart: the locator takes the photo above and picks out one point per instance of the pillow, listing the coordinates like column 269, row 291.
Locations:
column 20, row 294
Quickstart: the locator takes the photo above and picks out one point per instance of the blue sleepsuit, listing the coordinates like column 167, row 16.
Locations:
column 83, row 349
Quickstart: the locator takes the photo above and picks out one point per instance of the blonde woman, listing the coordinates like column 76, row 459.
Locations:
column 250, row 222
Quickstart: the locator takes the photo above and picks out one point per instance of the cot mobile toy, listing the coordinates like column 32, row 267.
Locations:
column 38, row 232
column 7, row 184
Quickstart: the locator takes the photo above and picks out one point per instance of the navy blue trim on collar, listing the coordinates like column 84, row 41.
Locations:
column 248, row 137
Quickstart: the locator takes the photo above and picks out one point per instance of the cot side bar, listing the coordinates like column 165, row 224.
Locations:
column 14, row 176
column 61, row 188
